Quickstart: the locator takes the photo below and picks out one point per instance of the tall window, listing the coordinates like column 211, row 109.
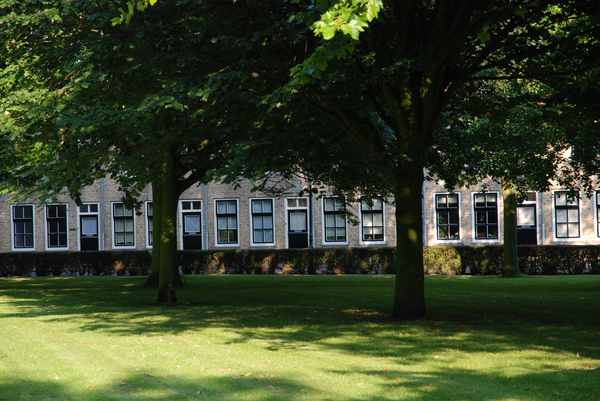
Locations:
column 486, row 216
column 566, row 209
column 334, row 224
column 23, row 226
column 123, row 226
column 447, row 216
column 191, row 224
column 149, row 222
column 262, row 221
column 89, row 214
column 56, row 226
column 598, row 212
column 371, row 213
column 227, row 222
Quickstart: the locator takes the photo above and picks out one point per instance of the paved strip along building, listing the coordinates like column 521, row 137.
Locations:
column 219, row 216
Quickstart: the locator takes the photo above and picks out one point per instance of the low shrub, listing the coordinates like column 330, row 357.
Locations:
column 437, row 260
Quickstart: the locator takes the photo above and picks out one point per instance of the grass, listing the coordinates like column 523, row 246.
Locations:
column 267, row 338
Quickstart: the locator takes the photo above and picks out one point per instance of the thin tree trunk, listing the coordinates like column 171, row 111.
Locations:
column 168, row 233
column 152, row 279
column 510, row 265
column 409, row 295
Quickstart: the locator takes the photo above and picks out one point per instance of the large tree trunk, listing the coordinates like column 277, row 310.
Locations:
column 409, row 295
column 510, row 265
column 167, row 243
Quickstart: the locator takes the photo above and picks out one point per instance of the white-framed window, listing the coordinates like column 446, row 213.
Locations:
column 297, row 222
column 447, row 216
column 123, row 226
column 149, row 221
column 227, row 222
column 262, row 222
column 57, row 229
column 597, row 211
column 567, row 217
column 485, row 216
column 372, row 220
column 334, row 220
column 89, row 226
column 191, row 224
column 23, row 227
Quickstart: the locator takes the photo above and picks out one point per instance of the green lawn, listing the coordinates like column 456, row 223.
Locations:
column 267, row 338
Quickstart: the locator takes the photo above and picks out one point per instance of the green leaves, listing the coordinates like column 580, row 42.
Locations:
column 350, row 17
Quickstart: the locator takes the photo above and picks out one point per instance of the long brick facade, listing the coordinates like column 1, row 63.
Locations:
column 467, row 217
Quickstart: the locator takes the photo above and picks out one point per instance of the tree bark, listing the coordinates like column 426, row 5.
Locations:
column 510, row 264
column 409, row 292
column 168, row 232
column 152, row 279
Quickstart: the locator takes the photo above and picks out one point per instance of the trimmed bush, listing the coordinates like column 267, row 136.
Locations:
column 438, row 260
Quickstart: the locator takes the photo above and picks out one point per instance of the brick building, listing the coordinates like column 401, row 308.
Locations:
column 219, row 216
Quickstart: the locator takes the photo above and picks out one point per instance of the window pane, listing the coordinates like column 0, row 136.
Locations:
column 378, row 219
column 197, row 205
column 452, row 200
column 231, row 207
column 340, row 220
column 480, row 217
column 479, row 200
column 340, row 234
column 573, row 215
column 440, row 201
column 232, row 222
column 221, row 207
column 573, row 230
column 443, row 217
column 367, row 219
column 329, row 204
column 302, row 202
column 329, row 220
column 492, row 232
column 128, row 225
column 292, row 202
column 453, row 232
column 492, row 217
column 268, row 235
column 267, row 222
column 93, row 208
column 89, row 226
column 330, row 234
column 186, row 205
column 192, row 224
column 222, row 222
column 258, row 236
column 525, row 216
column 83, row 208
column 453, row 216
column 258, row 222
column 297, row 221
column 256, row 206
column 491, row 199
column 560, row 198
column 481, row 232
column 561, row 216
column 561, row 230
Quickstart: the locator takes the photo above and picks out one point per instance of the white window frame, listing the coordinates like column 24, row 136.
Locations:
column 79, row 214
column 437, row 240
column 112, row 223
column 474, row 222
column 146, row 225
column 554, row 236
column 62, row 248
column 180, row 212
column 324, row 242
column 308, row 218
column 12, row 227
column 216, row 226
column 361, row 238
column 251, row 218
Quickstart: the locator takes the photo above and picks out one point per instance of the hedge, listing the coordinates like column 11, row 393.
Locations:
column 438, row 260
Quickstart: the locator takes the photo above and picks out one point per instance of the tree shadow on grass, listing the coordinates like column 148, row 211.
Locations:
column 391, row 385
column 342, row 315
